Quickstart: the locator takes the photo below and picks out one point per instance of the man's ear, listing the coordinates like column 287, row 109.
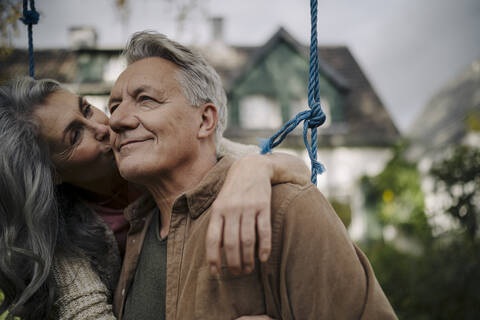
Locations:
column 208, row 125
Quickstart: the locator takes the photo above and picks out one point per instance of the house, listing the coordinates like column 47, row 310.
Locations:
column 266, row 86
column 451, row 118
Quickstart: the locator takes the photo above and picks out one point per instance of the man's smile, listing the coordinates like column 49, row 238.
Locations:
column 131, row 142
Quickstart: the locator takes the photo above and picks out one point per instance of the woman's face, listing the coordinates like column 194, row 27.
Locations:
column 78, row 136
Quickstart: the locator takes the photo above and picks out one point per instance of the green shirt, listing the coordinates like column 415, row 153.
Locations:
column 146, row 298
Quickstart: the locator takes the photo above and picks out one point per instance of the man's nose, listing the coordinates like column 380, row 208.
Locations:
column 122, row 119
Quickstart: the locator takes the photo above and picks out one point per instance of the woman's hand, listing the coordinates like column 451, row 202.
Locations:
column 243, row 207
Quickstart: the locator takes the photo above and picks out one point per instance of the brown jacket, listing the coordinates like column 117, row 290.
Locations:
column 314, row 272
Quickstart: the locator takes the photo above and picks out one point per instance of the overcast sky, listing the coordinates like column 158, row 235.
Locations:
column 409, row 49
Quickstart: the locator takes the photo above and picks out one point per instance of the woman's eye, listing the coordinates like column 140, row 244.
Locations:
column 75, row 136
column 87, row 111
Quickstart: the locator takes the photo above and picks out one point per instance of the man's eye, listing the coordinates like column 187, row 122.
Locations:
column 113, row 108
column 145, row 98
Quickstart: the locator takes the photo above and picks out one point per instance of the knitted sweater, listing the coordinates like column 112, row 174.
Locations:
column 81, row 293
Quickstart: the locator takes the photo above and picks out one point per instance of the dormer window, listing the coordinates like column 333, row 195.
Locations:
column 260, row 112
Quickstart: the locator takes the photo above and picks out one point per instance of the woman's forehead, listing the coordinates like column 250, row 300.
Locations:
column 63, row 98
column 56, row 113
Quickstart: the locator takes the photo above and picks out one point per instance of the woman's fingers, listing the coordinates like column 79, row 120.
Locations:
column 231, row 243
column 247, row 239
column 213, row 242
column 240, row 212
column 264, row 228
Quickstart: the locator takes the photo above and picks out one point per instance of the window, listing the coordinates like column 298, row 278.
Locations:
column 260, row 112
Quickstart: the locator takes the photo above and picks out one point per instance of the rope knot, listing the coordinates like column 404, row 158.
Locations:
column 30, row 17
column 317, row 117
column 317, row 166
column 312, row 118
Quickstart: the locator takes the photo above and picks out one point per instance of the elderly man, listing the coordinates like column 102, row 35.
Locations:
column 168, row 113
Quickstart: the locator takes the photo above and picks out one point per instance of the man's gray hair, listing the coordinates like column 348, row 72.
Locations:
column 200, row 82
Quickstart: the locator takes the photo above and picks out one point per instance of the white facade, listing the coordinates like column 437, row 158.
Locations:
column 344, row 168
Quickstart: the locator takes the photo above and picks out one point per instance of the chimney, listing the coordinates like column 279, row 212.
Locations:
column 217, row 29
column 82, row 37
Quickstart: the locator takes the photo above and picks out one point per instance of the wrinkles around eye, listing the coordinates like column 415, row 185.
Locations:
column 145, row 98
column 66, row 153
column 151, row 103
column 75, row 133
column 75, row 136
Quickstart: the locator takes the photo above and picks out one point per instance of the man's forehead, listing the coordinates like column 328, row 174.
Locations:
column 149, row 66
column 135, row 82
column 152, row 72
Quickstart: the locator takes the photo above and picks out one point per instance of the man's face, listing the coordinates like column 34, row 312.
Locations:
column 153, row 126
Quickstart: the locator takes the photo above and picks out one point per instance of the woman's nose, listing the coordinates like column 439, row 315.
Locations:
column 101, row 131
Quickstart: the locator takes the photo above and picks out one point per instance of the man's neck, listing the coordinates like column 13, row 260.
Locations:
column 167, row 187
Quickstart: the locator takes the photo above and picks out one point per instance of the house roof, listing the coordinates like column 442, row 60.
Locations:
column 259, row 53
column 367, row 121
column 366, row 116
column 444, row 120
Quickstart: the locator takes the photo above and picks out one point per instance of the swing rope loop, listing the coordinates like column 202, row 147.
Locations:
column 30, row 17
column 312, row 118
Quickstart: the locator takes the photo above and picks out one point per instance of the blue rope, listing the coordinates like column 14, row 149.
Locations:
column 312, row 118
column 30, row 17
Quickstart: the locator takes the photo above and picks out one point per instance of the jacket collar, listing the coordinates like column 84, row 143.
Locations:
column 195, row 201
column 139, row 208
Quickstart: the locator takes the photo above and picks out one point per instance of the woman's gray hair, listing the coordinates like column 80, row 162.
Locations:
column 28, row 210
column 26, row 94
column 37, row 219
column 200, row 82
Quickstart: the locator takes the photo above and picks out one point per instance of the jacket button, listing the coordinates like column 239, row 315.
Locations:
column 123, row 292
column 133, row 240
